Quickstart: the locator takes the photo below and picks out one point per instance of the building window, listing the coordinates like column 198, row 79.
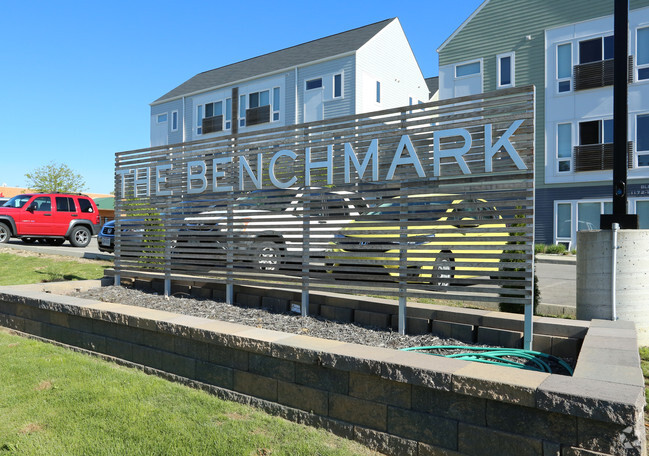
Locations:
column 642, row 209
column 642, row 139
column 257, row 99
column 564, row 147
column 596, row 132
column 467, row 69
column 242, row 111
column 588, row 214
column 199, row 119
column 505, row 63
column 338, row 85
column 378, row 91
column 578, row 215
column 314, row 84
column 161, row 118
column 174, row 121
column 564, row 67
column 564, row 221
column 276, row 104
column 596, row 49
column 228, row 113
column 642, row 53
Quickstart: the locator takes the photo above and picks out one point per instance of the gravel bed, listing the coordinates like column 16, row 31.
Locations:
column 264, row 318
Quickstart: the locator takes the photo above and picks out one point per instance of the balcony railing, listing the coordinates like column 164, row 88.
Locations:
column 598, row 157
column 256, row 116
column 212, row 124
column 598, row 74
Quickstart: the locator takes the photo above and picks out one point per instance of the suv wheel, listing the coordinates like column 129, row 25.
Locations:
column 268, row 256
column 5, row 234
column 80, row 236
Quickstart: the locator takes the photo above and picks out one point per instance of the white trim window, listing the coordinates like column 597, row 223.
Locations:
column 642, row 140
column 174, row 121
column 199, row 119
column 578, row 215
column 311, row 84
column 276, row 104
column 642, row 54
column 338, row 85
column 564, row 147
column 468, row 78
column 505, row 69
column 640, row 206
column 242, row 110
column 564, row 67
column 464, row 70
column 162, row 118
column 228, row 113
column 378, row 92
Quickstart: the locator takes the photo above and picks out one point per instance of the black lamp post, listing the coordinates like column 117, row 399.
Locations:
column 620, row 122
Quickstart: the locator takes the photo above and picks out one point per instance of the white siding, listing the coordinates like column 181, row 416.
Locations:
column 584, row 105
column 388, row 58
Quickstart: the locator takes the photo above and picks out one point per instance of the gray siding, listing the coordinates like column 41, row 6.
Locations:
column 326, row 70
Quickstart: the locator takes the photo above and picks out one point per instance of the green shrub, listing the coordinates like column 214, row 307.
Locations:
column 559, row 249
column 539, row 248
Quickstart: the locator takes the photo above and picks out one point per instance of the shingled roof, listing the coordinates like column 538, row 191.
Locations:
column 319, row 49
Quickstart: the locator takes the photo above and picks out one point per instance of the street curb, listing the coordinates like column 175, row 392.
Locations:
column 556, row 259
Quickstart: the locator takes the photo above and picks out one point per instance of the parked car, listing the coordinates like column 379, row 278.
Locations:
column 51, row 218
column 106, row 237
column 431, row 239
column 3, row 200
column 271, row 231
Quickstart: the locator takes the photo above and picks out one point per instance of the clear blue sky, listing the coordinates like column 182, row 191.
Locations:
column 78, row 76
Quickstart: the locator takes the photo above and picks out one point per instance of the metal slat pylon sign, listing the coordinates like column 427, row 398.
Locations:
column 431, row 202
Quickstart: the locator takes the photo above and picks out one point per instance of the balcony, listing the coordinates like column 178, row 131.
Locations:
column 259, row 115
column 598, row 74
column 212, row 124
column 598, row 157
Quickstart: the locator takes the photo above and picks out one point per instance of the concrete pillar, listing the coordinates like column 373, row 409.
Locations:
column 594, row 278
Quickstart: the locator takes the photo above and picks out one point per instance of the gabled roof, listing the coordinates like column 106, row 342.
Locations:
column 323, row 48
column 433, row 85
column 459, row 29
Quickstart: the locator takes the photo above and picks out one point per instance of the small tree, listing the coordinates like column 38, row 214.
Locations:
column 55, row 177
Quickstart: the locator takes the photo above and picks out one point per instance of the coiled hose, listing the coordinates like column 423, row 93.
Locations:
column 532, row 360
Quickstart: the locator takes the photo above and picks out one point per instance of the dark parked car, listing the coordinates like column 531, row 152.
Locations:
column 106, row 237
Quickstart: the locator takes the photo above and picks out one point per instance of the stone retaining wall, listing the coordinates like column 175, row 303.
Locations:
column 396, row 402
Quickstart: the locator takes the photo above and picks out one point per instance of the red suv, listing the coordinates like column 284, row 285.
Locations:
column 50, row 218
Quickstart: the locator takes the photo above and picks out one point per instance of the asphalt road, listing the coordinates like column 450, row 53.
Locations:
column 557, row 277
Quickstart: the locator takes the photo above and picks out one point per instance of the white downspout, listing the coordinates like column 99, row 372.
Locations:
column 296, row 93
column 184, row 137
column 614, row 247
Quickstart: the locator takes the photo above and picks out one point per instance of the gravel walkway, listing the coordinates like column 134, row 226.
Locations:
column 264, row 318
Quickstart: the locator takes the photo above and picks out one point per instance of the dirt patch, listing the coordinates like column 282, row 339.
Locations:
column 31, row 428
column 44, row 385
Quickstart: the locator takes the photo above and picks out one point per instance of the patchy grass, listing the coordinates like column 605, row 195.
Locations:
column 644, row 364
column 19, row 267
column 55, row 401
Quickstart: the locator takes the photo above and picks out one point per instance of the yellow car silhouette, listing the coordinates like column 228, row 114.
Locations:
column 443, row 232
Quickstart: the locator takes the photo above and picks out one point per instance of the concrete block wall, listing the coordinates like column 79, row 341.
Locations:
column 395, row 402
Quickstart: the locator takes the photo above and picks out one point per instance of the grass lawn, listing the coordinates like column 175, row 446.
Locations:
column 54, row 401
column 20, row 267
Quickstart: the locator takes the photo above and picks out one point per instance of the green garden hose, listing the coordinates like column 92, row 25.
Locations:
column 533, row 360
